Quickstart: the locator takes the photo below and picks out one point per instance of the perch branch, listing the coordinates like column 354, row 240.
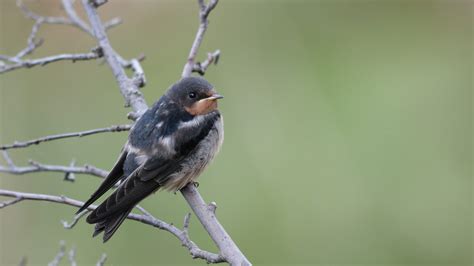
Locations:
column 148, row 219
column 205, row 214
column 15, row 145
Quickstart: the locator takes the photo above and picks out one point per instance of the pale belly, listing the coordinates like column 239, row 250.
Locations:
column 200, row 157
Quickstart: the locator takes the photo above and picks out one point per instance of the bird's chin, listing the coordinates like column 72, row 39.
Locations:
column 202, row 107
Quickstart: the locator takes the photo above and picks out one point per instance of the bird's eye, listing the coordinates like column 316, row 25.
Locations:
column 192, row 95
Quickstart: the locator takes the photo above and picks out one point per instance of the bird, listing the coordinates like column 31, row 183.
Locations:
column 168, row 147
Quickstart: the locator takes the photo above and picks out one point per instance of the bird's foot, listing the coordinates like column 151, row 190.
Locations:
column 195, row 184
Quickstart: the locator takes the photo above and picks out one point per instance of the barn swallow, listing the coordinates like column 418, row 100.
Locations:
column 167, row 148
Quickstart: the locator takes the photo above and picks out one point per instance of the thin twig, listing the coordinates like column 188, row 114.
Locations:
column 145, row 212
column 72, row 256
column 7, row 159
column 68, row 6
column 74, row 221
column 9, row 202
column 49, row 59
column 211, row 58
column 57, row 259
column 15, row 145
column 101, row 261
column 204, row 12
column 129, row 89
column 39, row 167
column 17, row 61
column 112, row 23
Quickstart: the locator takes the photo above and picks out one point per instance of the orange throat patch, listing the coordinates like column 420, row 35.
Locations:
column 202, row 107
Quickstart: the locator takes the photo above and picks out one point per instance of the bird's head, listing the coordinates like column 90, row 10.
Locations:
column 196, row 95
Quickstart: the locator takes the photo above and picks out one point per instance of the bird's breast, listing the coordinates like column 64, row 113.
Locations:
column 199, row 158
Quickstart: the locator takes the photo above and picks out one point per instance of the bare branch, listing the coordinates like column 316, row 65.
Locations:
column 57, row 259
column 211, row 58
column 148, row 219
column 9, row 202
column 129, row 89
column 50, row 20
column 68, row 6
column 206, row 216
column 204, row 12
column 101, row 261
column 72, row 256
column 145, row 212
column 38, row 167
column 74, row 221
column 33, row 43
column 116, row 128
column 7, row 159
column 112, row 23
column 39, row 20
column 49, row 59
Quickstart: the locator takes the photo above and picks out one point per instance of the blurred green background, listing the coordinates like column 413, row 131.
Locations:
column 348, row 130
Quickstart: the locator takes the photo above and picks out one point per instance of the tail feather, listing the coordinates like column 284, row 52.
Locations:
column 112, row 178
column 110, row 224
column 111, row 213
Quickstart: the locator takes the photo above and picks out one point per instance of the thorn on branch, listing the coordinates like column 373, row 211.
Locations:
column 133, row 116
column 139, row 75
column 74, row 221
column 97, row 3
column 187, row 219
column 212, row 58
column 98, row 51
column 212, row 207
column 69, row 176
column 112, row 23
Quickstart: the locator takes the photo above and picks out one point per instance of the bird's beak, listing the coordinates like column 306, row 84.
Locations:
column 215, row 96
